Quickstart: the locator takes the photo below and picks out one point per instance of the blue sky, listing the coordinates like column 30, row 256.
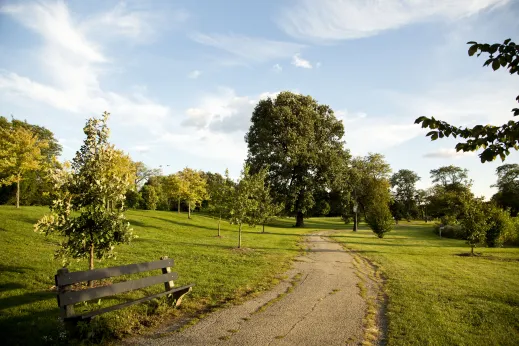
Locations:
column 181, row 78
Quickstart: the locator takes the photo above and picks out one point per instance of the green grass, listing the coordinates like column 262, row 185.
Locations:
column 222, row 274
column 437, row 297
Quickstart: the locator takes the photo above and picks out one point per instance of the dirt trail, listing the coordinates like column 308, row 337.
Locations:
column 319, row 304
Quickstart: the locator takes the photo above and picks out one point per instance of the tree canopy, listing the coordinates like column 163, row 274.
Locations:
column 496, row 140
column 299, row 140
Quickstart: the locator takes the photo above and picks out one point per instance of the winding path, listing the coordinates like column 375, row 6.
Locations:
column 319, row 304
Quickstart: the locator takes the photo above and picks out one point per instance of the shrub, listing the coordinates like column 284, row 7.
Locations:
column 379, row 219
column 513, row 237
column 450, row 231
column 501, row 226
column 474, row 221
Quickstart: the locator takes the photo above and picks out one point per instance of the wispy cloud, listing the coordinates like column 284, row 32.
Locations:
column 339, row 20
column 252, row 49
column 72, row 62
column 277, row 68
column 194, row 74
column 447, row 153
column 300, row 62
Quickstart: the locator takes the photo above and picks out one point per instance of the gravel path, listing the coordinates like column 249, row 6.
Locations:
column 319, row 304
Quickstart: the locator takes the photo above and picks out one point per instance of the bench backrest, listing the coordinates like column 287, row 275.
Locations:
column 65, row 279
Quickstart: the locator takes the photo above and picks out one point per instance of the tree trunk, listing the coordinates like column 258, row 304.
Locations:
column 18, row 192
column 472, row 250
column 178, row 206
column 219, row 220
column 300, row 222
column 263, row 231
column 239, row 236
column 188, row 210
column 91, row 264
column 355, row 223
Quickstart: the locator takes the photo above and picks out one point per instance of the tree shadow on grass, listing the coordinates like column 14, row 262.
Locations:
column 180, row 223
column 24, row 299
column 141, row 224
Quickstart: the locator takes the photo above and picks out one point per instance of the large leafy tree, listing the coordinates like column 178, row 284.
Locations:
column 299, row 140
column 35, row 187
column 495, row 140
column 144, row 173
column 404, row 182
column 450, row 176
column 20, row 153
column 193, row 188
column 507, row 195
column 87, row 209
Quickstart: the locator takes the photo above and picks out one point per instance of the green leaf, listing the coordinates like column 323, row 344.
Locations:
column 473, row 49
column 507, row 41
column 495, row 65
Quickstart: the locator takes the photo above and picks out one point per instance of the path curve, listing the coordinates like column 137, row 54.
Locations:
column 319, row 304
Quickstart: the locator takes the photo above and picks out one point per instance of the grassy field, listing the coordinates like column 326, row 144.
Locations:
column 221, row 272
column 437, row 297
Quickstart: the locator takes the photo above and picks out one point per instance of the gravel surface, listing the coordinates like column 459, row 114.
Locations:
column 319, row 304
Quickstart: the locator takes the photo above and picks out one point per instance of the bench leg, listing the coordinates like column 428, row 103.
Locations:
column 178, row 295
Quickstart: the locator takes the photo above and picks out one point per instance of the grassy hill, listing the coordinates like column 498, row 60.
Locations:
column 221, row 272
column 435, row 296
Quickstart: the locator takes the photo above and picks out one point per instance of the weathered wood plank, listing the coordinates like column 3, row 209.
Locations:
column 73, row 297
column 103, row 273
column 179, row 290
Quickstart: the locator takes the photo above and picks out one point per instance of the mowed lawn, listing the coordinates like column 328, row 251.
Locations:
column 437, row 297
column 221, row 273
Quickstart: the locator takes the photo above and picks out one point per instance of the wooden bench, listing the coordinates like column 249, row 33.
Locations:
column 68, row 297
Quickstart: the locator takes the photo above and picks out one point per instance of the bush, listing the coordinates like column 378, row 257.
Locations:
column 513, row 237
column 450, row 231
column 379, row 219
column 501, row 226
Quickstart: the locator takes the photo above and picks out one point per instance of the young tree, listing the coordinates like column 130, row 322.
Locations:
column 193, row 188
column 496, row 140
column 20, row 152
column 474, row 222
column 266, row 210
column 88, row 206
column 300, row 141
column 220, row 190
column 149, row 197
column 171, row 188
column 244, row 202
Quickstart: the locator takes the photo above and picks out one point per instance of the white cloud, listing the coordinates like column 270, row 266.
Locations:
column 72, row 63
column 249, row 48
column 194, row 74
column 277, row 68
column 300, row 62
column 446, row 153
column 350, row 19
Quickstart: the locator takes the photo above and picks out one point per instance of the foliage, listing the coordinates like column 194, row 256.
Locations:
column 398, row 210
column 379, row 219
column 404, row 182
column 143, row 173
column 453, row 231
column 507, row 196
column 192, row 187
column 20, row 152
column 266, row 209
column 88, row 199
column 133, row 199
column 244, row 201
column 500, row 226
column 474, row 222
column 149, row 197
column 496, row 140
column 299, row 141
column 220, row 191
column 449, row 176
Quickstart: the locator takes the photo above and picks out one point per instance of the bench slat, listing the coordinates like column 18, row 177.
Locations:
column 89, row 315
column 103, row 273
column 73, row 297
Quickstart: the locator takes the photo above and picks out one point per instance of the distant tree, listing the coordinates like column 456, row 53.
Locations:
column 496, row 140
column 300, row 141
column 404, row 182
column 450, row 176
column 507, row 196
column 244, row 202
column 193, row 188
column 422, row 201
column 134, row 199
column 398, row 210
column 87, row 209
column 500, row 225
column 149, row 197
column 171, row 189
column 20, row 153
column 376, row 207
column 143, row 173
column 220, row 191
column 266, row 210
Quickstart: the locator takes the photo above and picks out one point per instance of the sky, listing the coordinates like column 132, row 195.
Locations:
column 181, row 78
